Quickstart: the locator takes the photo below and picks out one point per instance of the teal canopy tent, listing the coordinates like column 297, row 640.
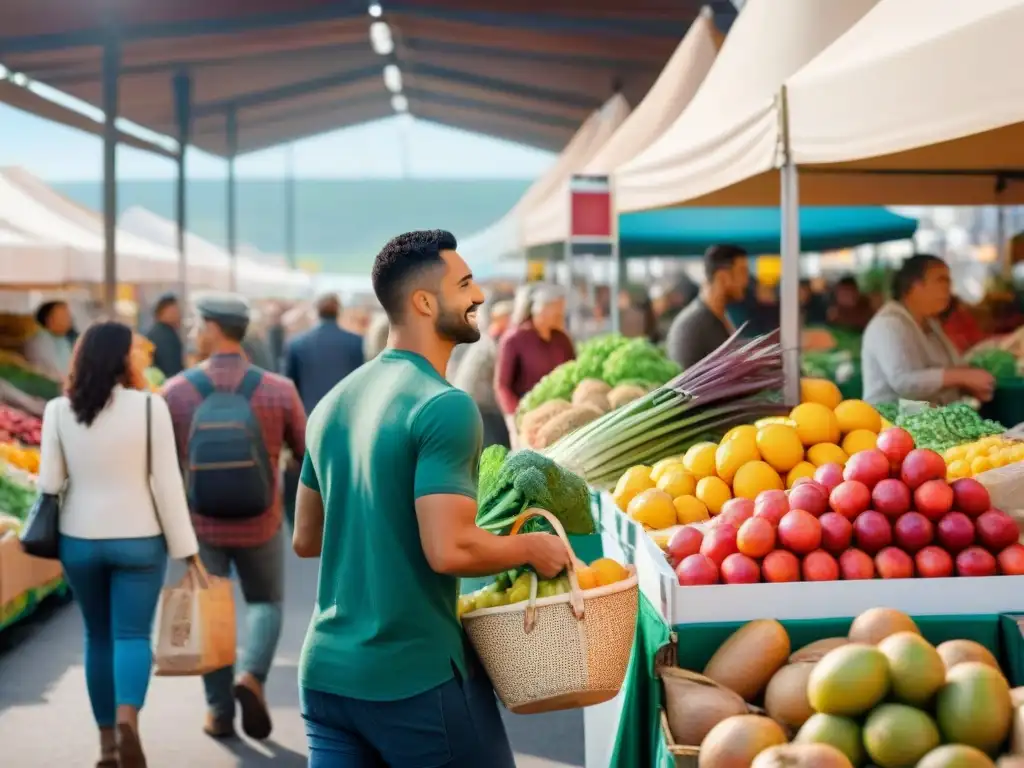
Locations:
column 689, row 231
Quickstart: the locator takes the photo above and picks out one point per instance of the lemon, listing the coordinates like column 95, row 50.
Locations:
column 733, row 454
column 815, row 423
column 974, row 452
column 803, row 469
column 754, row 477
column 662, row 466
column 1017, row 451
column 821, row 391
column 690, row 509
column 714, row 492
column 859, row 440
column 774, row 420
column 981, row 464
column 700, row 459
column 999, row 459
column 957, row 468
column 826, row 453
column 856, row 414
column 743, row 431
column 676, row 481
column 586, row 577
column 653, row 508
column 954, row 453
column 608, row 571
column 780, row 446
column 633, row 481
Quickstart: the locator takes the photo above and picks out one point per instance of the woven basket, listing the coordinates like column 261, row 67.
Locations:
column 560, row 652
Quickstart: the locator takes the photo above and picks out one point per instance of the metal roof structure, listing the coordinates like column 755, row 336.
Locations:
column 283, row 70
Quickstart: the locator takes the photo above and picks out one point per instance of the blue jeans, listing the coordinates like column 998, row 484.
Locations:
column 456, row 725
column 116, row 583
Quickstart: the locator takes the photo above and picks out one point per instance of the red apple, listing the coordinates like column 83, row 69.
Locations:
column 893, row 563
column 970, row 496
column 756, row 537
column 869, row 467
column 850, row 498
column 810, row 497
column 933, row 499
column 891, row 497
column 873, row 531
column 934, row 563
column 856, row 565
column 913, row 531
column 895, row 443
column 685, row 542
column 955, row 532
column 1011, row 560
column 771, row 505
column 740, row 569
column 820, row 566
column 836, row 532
column 719, row 543
column 802, row 480
column 697, row 570
column 920, row 466
column 996, row 530
column 735, row 512
column 780, row 566
column 975, row 561
column 800, row 531
column 829, row 476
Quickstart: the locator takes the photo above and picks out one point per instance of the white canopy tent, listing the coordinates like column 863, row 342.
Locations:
column 26, row 260
column 668, row 97
column 724, row 147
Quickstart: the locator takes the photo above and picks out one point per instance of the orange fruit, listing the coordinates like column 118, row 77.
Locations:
column 608, row 571
column 587, row 577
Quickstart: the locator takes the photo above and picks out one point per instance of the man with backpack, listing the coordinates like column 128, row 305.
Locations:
column 231, row 421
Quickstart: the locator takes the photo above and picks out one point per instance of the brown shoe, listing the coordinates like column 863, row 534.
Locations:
column 255, row 715
column 219, row 727
column 129, row 749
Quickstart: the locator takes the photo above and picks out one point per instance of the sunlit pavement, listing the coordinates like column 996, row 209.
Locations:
column 45, row 718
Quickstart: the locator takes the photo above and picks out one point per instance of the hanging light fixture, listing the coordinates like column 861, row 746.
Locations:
column 393, row 78
column 399, row 103
column 380, row 38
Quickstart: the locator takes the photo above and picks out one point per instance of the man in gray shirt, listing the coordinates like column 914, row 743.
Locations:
column 703, row 326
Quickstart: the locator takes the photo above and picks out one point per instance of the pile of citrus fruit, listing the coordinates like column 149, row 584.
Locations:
column 982, row 455
column 771, row 454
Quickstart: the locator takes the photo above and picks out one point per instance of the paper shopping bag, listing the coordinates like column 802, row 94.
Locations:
column 195, row 626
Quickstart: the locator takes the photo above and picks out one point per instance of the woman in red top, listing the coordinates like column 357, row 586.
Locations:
column 960, row 325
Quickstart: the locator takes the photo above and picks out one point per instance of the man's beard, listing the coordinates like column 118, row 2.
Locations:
column 455, row 326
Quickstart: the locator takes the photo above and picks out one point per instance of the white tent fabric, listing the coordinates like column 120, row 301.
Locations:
column 546, row 220
column 919, row 85
column 730, row 132
column 668, row 97
column 29, row 261
column 497, row 242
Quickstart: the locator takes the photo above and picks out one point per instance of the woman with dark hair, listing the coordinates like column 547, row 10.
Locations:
column 905, row 354
column 109, row 447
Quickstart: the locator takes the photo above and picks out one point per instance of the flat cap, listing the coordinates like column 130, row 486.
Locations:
column 224, row 307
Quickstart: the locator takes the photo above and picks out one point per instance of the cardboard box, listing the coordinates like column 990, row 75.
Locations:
column 20, row 573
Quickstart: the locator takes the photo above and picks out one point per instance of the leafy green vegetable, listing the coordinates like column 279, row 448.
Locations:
column 557, row 385
column 943, row 428
column 998, row 362
column 511, row 483
column 889, row 411
column 638, row 359
column 592, row 353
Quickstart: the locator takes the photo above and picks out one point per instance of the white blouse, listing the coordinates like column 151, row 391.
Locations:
column 108, row 495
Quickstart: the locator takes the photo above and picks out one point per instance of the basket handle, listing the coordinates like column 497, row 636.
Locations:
column 575, row 593
column 198, row 574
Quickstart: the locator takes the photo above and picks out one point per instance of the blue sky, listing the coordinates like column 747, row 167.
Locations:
column 373, row 150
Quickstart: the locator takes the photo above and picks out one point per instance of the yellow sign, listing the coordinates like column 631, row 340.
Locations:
column 768, row 270
column 534, row 271
column 125, row 292
column 309, row 267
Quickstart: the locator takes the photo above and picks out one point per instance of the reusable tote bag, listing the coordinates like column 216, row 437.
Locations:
column 195, row 625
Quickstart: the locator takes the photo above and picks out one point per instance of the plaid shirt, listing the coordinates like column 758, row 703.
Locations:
column 283, row 419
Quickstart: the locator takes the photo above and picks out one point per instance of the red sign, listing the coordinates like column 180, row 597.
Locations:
column 590, row 208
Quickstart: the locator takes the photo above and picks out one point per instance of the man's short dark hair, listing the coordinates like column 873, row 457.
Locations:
column 328, row 306
column 232, row 330
column 165, row 301
column 911, row 272
column 46, row 309
column 402, row 261
column 720, row 258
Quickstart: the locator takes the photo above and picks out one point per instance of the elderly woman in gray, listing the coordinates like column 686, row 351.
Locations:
column 905, row 354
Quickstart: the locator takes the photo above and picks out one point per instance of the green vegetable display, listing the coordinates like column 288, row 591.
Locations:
column 943, row 428
column 592, row 354
column 511, row 483
column 28, row 382
column 638, row 360
column 557, row 385
column 15, row 498
column 998, row 362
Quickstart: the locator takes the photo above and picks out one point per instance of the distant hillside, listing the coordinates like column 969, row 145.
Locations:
column 340, row 224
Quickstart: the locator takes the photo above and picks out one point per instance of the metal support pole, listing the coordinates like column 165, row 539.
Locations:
column 111, row 76
column 232, row 212
column 617, row 265
column 789, row 286
column 183, row 115
column 289, row 207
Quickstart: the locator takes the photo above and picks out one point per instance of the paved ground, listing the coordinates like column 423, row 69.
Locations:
column 45, row 718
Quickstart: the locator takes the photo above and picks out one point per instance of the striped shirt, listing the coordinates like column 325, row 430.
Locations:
column 283, row 420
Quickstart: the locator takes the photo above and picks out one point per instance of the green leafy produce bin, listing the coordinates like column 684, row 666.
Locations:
column 1007, row 405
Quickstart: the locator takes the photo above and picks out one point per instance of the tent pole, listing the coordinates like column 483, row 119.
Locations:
column 789, row 286
column 232, row 194
column 182, row 85
column 111, row 78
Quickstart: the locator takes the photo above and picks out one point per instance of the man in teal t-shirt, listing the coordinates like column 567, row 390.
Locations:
column 388, row 502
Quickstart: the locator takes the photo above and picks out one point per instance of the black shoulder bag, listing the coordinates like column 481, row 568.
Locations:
column 40, row 535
